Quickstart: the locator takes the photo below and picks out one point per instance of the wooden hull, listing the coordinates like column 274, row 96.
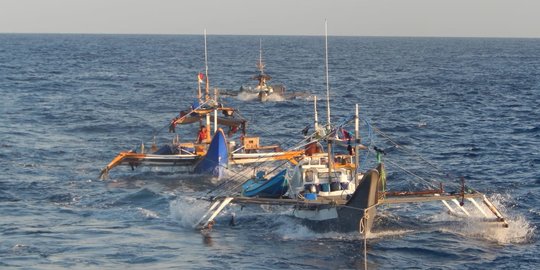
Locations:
column 346, row 217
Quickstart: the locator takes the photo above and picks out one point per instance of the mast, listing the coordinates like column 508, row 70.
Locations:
column 199, row 93
column 316, row 124
column 327, row 79
column 260, row 66
column 356, row 143
column 207, row 90
column 215, row 111
column 329, row 148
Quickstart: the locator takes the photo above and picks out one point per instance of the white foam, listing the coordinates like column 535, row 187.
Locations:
column 245, row 96
column 148, row 213
column 276, row 98
column 389, row 233
column 519, row 229
column 187, row 211
column 289, row 228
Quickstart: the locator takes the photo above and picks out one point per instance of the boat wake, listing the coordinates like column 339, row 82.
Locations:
column 187, row 210
column 246, row 96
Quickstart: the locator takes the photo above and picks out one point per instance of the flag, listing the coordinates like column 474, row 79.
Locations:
column 201, row 77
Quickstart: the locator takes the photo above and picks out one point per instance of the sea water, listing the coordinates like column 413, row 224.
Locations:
column 70, row 103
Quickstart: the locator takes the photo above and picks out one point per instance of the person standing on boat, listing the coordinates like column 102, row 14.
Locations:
column 350, row 149
column 203, row 135
column 172, row 125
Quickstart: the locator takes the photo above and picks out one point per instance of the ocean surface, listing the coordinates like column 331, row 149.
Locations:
column 70, row 103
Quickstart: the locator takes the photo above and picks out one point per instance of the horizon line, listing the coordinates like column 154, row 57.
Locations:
column 277, row 35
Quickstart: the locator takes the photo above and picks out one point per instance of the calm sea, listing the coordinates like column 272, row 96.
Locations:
column 69, row 103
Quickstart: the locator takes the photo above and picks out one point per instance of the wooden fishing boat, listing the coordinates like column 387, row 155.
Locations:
column 329, row 192
column 210, row 153
column 262, row 89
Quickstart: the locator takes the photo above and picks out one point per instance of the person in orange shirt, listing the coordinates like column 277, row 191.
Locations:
column 203, row 135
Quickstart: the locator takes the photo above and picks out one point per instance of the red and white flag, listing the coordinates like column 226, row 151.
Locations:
column 201, row 77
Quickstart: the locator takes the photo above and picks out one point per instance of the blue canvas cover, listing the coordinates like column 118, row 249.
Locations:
column 216, row 158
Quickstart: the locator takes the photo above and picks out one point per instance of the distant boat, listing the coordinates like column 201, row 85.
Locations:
column 263, row 90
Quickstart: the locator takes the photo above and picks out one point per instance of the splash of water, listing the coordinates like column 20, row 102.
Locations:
column 148, row 213
column 519, row 230
column 187, row 211
column 245, row 96
column 276, row 98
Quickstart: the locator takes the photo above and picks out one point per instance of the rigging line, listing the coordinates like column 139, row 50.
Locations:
column 411, row 173
column 221, row 189
column 181, row 118
column 431, row 182
column 408, row 150
column 237, row 174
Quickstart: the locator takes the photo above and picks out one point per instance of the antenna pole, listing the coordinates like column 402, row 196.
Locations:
column 261, row 66
column 316, row 124
column 356, row 145
column 327, row 79
column 207, row 97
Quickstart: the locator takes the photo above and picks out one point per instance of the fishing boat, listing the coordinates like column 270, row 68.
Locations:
column 329, row 191
column 262, row 89
column 210, row 153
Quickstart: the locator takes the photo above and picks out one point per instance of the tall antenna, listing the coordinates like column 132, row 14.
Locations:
column 207, row 97
column 260, row 65
column 327, row 79
column 316, row 124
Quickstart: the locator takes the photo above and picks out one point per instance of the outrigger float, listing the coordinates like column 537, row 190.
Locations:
column 205, row 155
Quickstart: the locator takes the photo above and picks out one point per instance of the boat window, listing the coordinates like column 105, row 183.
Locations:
column 309, row 176
column 325, row 177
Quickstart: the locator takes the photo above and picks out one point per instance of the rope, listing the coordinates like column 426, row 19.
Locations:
column 363, row 221
column 240, row 178
column 448, row 175
column 413, row 174
column 156, row 131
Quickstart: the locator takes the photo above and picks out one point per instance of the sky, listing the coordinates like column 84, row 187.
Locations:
column 438, row 18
